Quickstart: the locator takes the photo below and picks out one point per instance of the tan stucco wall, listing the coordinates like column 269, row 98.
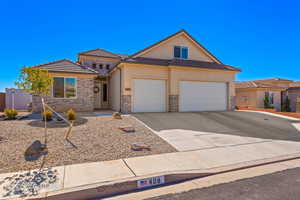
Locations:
column 246, row 98
column 166, row 49
column 137, row 71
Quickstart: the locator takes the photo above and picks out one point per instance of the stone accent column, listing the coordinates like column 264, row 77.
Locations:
column 173, row 103
column 126, row 104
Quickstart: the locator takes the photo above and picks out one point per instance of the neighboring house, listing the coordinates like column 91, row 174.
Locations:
column 17, row 99
column 252, row 93
column 174, row 74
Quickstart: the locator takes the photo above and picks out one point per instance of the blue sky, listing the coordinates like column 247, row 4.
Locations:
column 260, row 37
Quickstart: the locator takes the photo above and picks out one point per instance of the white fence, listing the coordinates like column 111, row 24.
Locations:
column 17, row 99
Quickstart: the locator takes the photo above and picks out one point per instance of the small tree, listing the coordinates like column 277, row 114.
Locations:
column 35, row 80
column 267, row 100
column 286, row 105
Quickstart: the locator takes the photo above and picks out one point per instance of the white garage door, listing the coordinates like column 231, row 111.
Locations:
column 149, row 96
column 202, row 96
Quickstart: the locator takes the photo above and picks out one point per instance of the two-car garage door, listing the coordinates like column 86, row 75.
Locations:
column 202, row 96
column 150, row 96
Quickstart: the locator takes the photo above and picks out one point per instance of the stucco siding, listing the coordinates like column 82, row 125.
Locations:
column 114, row 87
column 246, row 98
column 165, row 50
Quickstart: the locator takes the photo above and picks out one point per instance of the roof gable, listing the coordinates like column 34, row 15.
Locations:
column 164, row 48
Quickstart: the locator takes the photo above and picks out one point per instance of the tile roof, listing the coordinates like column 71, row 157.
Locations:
column 274, row 79
column 103, row 53
column 180, row 62
column 293, row 88
column 253, row 84
column 65, row 65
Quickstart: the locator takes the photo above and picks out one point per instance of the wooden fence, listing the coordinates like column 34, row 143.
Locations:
column 2, row 101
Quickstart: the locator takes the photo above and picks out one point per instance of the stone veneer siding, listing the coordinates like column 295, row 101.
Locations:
column 173, row 103
column 126, row 104
column 83, row 102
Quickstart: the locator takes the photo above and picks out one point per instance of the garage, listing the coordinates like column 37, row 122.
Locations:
column 202, row 96
column 149, row 95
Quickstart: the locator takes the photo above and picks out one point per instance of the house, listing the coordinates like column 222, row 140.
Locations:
column 174, row 74
column 253, row 93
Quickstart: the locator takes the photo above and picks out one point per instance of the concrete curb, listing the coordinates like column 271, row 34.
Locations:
column 107, row 189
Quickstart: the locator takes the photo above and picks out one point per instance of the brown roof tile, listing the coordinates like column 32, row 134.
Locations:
column 182, row 63
column 253, row 84
column 65, row 65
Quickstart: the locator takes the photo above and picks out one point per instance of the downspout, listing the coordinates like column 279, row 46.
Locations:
column 120, row 88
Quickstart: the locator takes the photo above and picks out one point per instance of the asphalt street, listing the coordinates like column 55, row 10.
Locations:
column 284, row 185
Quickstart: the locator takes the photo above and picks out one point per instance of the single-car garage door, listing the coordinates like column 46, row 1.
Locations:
column 149, row 96
column 202, row 96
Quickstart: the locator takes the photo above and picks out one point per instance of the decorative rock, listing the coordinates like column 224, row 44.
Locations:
column 138, row 147
column 127, row 129
column 117, row 115
column 35, row 150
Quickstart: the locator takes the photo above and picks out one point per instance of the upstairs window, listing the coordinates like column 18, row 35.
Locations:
column 64, row 87
column 100, row 66
column 107, row 67
column 181, row 52
column 94, row 65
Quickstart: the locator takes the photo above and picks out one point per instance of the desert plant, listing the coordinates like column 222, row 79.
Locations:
column 11, row 113
column 47, row 115
column 71, row 115
column 267, row 100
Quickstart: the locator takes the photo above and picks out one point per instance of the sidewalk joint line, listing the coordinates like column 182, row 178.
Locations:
column 129, row 167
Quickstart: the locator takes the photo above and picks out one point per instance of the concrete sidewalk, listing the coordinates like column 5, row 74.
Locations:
column 75, row 179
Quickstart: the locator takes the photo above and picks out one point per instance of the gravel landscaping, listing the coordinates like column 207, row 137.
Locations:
column 94, row 138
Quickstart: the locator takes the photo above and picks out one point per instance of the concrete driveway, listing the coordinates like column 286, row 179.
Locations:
column 192, row 131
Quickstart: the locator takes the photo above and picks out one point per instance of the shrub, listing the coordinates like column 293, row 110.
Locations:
column 11, row 113
column 71, row 115
column 47, row 115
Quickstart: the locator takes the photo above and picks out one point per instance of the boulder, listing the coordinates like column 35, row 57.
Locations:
column 117, row 115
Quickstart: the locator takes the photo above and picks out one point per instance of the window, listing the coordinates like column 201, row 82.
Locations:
column 64, row 87
column 104, row 90
column 100, row 66
column 107, row 67
column 181, row 52
column 94, row 65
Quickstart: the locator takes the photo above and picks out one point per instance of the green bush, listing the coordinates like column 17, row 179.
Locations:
column 71, row 115
column 11, row 113
column 47, row 115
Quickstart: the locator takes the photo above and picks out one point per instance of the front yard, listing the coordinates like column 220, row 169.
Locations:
column 94, row 138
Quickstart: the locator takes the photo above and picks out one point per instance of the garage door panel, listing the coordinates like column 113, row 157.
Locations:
column 149, row 96
column 202, row 96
